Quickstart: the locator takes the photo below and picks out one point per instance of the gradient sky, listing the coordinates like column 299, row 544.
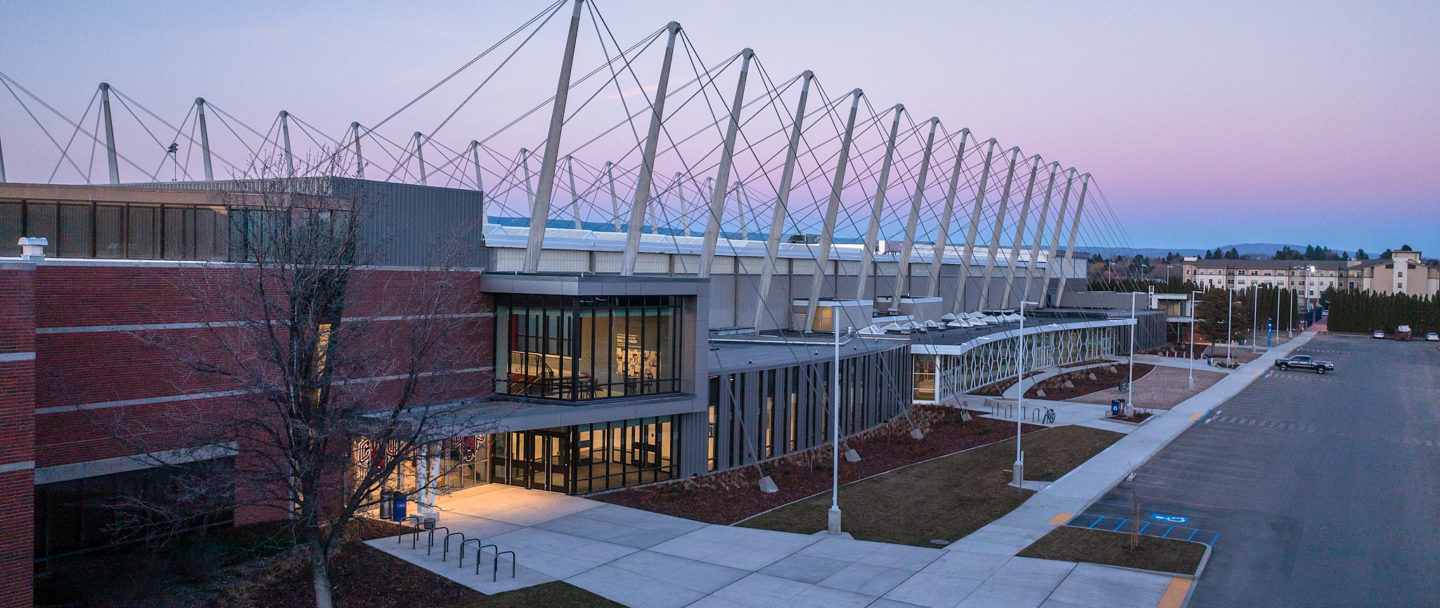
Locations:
column 1205, row 123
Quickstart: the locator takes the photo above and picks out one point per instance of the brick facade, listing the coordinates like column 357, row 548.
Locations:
column 17, row 432
column 113, row 337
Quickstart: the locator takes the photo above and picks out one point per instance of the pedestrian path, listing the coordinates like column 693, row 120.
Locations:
column 1085, row 484
column 646, row 560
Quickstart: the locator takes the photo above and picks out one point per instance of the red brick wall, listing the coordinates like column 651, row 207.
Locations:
column 89, row 367
column 17, row 434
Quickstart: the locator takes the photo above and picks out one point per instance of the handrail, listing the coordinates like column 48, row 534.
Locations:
column 479, row 551
column 432, row 538
column 445, row 551
column 461, row 563
column 495, row 570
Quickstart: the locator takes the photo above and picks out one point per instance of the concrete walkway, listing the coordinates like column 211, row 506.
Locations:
column 1085, row 484
column 647, row 560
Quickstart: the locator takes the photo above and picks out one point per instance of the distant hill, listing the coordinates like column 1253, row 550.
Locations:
column 1265, row 249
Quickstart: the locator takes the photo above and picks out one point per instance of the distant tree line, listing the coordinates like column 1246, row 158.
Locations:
column 1353, row 310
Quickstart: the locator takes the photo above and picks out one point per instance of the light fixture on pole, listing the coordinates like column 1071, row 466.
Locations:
column 834, row 514
column 1229, row 319
column 1191, row 383
column 1020, row 399
column 1130, row 383
column 1254, row 316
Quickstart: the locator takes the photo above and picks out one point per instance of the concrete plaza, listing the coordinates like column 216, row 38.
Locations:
column 646, row 559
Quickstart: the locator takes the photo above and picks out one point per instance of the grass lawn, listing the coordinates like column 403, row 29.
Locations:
column 1113, row 549
column 550, row 595
column 946, row 498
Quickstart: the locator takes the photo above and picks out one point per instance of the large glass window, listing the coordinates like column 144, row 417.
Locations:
column 117, row 230
column 560, row 347
column 615, row 454
column 94, row 512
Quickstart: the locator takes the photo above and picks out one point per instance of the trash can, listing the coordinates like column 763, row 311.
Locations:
column 385, row 504
column 1115, row 407
column 397, row 506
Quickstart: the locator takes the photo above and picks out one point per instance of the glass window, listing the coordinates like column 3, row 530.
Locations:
column 11, row 216
column 109, row 231
column 41, row 222
column 179, row 231
column 577, row 349
column 75, row 232
column 142, row 236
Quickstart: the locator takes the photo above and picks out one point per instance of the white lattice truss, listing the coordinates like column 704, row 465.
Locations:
column 983, row 362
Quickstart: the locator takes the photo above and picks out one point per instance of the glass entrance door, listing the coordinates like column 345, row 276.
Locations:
column 539, row 460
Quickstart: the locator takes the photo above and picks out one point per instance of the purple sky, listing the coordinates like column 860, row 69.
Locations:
column 1204, row 123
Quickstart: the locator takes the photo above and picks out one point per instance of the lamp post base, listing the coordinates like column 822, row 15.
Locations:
column 834, row 521
column 1019, row 470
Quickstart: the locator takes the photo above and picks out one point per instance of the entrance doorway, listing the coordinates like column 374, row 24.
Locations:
column 539, row 460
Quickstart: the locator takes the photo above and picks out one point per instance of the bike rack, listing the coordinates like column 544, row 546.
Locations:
column 495, row 570
column 445, row 552
column 461, row 563
column 432, row 538
column 480, row 551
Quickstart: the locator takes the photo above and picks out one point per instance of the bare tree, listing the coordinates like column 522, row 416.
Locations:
column 319, row 351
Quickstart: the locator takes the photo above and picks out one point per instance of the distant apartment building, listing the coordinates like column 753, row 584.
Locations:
column 1403, row 273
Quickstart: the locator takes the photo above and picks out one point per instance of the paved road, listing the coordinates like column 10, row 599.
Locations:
column 1324, row 490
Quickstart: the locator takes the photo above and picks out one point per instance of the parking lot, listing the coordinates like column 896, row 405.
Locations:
column 1314, row 489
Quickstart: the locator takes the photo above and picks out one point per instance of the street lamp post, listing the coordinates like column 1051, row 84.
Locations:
column 1254, row 317
column 1019, row 468
column 1191, row 382
column 1130, row 382
column 833, row 516
column 1229, row 319
column 1277, row 313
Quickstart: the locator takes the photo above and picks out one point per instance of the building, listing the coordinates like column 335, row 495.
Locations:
column 1403, row 273
column 584, row 378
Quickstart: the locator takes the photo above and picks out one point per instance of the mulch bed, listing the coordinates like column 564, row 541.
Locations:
column 728, row 497
column 1113, row 548
column 1105, row 379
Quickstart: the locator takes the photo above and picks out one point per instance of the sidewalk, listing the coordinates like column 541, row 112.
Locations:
column 1075, row 491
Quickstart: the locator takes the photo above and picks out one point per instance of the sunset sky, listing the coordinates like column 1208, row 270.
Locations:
column 1205, row 123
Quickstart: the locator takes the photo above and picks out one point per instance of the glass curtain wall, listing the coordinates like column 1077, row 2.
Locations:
column 576, row 349
column 117, row 230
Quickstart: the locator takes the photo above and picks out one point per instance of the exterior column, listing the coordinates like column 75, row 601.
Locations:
column 647, row 160
column 1019, row 240
column 479, row 180
column 998, row 231
column 680, row 196
column 110, row 156
column 1034, row 262
column 525, row 165
column 975, row 213
column 722, row 176
column 909, row 244
column 574, row 194
column 204, row 141
column 1074, row 229
column 1050, row 263
column 359, row 158
column 614, row 201
column 540, row 211
column 867, row 247
column 285, row 134
column 782, row 200
column 420, row 155
column 827, row 233
column 943, row 237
